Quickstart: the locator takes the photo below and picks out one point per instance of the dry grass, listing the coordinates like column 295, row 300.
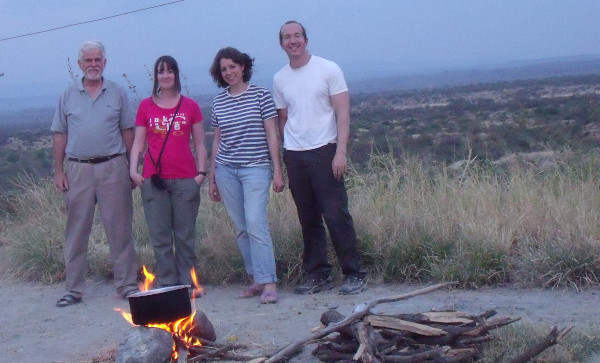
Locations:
column 34, row 231
column 480, row 225
column 512, row 340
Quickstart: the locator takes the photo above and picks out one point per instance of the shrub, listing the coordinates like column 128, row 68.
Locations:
column 475, row 222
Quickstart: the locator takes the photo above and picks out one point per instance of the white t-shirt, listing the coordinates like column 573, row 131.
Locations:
column 306, row 93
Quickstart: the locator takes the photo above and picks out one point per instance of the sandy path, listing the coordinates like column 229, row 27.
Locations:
column 32, row 329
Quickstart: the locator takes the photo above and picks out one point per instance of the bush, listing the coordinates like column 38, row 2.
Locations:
column 476, row 223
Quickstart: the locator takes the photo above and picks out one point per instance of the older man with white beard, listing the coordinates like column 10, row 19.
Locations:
column 93, row 132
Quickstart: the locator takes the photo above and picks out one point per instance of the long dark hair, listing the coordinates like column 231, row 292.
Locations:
column 236, row 56
column 171, row 64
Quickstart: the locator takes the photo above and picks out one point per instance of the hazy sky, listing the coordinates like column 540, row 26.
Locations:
column 389, row 36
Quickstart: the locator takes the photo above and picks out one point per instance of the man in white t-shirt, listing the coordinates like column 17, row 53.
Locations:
column 313, row 106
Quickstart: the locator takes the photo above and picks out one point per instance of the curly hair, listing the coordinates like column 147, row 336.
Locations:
column 236, row 56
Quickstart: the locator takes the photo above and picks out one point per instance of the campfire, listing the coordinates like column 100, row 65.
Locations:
column 362, row 336
column 162, row 309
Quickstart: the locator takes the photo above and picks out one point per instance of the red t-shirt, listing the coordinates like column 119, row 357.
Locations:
column 177, row 160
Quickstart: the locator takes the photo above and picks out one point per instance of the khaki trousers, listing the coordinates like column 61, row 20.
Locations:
column 106, row 184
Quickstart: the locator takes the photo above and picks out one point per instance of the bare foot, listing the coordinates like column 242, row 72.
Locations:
column 269, row 295
column 251, row 291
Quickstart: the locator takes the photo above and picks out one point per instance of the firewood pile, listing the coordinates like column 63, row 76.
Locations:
column 211, row 351
column 363, row 336
column 452, row 335
column 442, row 336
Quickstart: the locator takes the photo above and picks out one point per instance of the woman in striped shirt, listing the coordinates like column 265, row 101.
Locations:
column 244, row 147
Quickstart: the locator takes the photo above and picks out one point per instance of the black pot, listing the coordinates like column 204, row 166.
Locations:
column 158, row 306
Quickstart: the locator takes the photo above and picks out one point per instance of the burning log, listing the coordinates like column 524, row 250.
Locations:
column 167, row 310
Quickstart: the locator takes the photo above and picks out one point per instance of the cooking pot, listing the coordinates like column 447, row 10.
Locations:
column 163, row 305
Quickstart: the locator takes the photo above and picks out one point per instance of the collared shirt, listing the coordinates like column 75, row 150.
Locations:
column 93, row 126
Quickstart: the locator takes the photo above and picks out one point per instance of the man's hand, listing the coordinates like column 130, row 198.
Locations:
column 339, row 165
column 60, row 180
column 136, row 179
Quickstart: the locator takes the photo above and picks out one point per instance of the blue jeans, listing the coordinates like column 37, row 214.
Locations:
column 245, row 193
column 171, row 218
column 318, row 196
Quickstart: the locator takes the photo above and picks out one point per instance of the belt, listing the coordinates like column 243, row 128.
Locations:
column 95, row 159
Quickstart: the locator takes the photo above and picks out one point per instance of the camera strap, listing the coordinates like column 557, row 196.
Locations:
column 157, row 163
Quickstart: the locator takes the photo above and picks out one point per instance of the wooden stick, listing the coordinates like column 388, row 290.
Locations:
column 534, row 350
column 204, row 353
column 490, row 325
column 476, row 340
column 327, row 355
column 366, row 350
column 182, row 352
column 418, row 357
column 390, row 322
column 294, row 348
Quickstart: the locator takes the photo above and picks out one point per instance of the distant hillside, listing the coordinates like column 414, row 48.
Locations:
column 536, row 70
column 486, row 120
column 361, row 79
column 490, row 121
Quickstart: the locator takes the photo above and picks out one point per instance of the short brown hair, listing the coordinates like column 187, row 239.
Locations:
column 292, row 22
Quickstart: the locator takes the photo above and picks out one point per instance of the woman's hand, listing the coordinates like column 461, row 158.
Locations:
column 278, row 181
column 199, row 179
column 213, row 192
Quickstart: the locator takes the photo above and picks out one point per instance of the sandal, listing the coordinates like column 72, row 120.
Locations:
column 68, row 300
column 268, row 297
column 251, row 291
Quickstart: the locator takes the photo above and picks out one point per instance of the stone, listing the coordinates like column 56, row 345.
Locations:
column 145, row 345
column 203, row 328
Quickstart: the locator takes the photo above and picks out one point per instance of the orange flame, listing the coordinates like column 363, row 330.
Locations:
column 198, row 290
column 181, row 328
column 125, row 315
column 147, row 284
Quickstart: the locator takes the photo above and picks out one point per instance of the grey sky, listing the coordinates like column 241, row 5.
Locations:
column 387, row 36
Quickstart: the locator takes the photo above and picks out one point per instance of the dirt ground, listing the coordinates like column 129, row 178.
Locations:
column 32, row 329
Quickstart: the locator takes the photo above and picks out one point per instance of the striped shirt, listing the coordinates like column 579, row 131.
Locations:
column 241, row 121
